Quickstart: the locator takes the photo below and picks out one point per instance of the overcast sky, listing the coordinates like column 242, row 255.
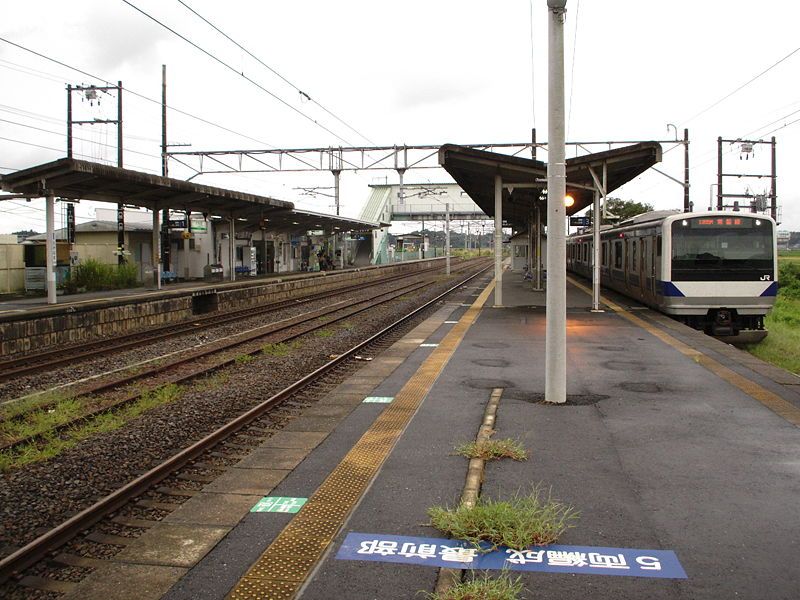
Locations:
column 413, row 72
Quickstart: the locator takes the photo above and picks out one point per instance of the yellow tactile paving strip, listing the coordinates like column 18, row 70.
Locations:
column 283, row 568
column 771, row 400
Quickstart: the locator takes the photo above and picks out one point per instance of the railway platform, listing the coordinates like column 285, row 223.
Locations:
column 679, row 452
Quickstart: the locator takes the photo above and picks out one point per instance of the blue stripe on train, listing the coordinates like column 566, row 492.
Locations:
column 667, row 288
column 772, row 290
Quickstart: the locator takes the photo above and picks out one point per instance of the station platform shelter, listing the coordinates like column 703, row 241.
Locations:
column 194, row 229
column 678, row 452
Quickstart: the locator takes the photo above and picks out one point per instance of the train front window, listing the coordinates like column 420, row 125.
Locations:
column 714, row 248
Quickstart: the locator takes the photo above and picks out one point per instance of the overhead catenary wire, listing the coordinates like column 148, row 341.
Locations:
column 284, row 79
column 62, row 134
column 533, row 69
column 135, row 93
column 744, row 85
column 232, row 69
column 61, row 150
column 572, row 70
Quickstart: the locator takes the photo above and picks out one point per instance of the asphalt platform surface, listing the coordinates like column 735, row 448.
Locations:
column 654, row 450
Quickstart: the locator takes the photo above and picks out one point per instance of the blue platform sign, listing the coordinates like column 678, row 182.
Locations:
column 438, row 552
column 580, row 221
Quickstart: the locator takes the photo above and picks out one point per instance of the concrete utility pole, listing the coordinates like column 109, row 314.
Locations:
column 556, row 329
column 163, row 257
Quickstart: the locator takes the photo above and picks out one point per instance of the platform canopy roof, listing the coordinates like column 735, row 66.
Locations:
column 475, row 170
column 84, row 180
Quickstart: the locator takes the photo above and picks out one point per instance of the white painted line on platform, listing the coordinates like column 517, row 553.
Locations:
column 428, row 345
column 450, row 322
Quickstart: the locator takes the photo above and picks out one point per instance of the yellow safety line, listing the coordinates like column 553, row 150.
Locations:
column 771, row 400
column 285, row 565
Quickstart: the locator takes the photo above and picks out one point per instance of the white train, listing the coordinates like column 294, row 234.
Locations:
column 714, row 271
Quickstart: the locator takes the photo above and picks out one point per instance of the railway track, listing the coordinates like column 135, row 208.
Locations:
column 43, row 545
column 200, row 362
column 58, row 357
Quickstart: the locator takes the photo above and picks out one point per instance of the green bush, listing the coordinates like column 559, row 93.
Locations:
column 789, row 278
column 92, row 275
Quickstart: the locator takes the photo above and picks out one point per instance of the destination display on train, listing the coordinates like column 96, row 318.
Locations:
column 721, row 223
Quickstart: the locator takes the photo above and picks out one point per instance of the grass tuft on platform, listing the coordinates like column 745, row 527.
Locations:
column 483, row 588
column 493, row 449
column 533, row 519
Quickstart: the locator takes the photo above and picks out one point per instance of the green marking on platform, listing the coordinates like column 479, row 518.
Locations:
column 279, row 504
column 378, row 399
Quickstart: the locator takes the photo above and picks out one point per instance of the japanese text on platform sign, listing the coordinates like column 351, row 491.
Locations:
column 566, row 559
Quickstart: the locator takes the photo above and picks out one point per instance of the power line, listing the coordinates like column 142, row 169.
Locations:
column 229, row 67
column 60, row 150
column 301, row 92
column 572, row 71
column 744, row 85
column 48, row 119
column 62, row 134
column 134, row 93
column 533, row 71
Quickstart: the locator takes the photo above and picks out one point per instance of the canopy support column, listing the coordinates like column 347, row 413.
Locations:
column 498, row 241
column 50, row 248
column 447, row 238
column 156, row 249
column 538, row 273
column 232, row 247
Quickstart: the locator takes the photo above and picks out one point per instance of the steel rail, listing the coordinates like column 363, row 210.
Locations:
column 244, row 338
column 33, row 363
column 56, row 537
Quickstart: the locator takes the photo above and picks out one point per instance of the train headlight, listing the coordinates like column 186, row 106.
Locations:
column 685, row 223
column 758, row 222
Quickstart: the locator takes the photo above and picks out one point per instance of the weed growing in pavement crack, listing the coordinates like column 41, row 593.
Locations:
column 533, row 519
column 493, row 449
column 483, row 588
column 243, row 359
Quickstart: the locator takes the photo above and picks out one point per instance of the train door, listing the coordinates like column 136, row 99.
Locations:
column 642, row 267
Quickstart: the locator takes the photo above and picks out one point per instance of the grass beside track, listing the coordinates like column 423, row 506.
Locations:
column 780, row 347
column 55, row 444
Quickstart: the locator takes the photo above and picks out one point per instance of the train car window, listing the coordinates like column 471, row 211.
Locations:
column 658, row 246
column 585, row 252
column 633, row 256
column 605, row 254
column 617, row 255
